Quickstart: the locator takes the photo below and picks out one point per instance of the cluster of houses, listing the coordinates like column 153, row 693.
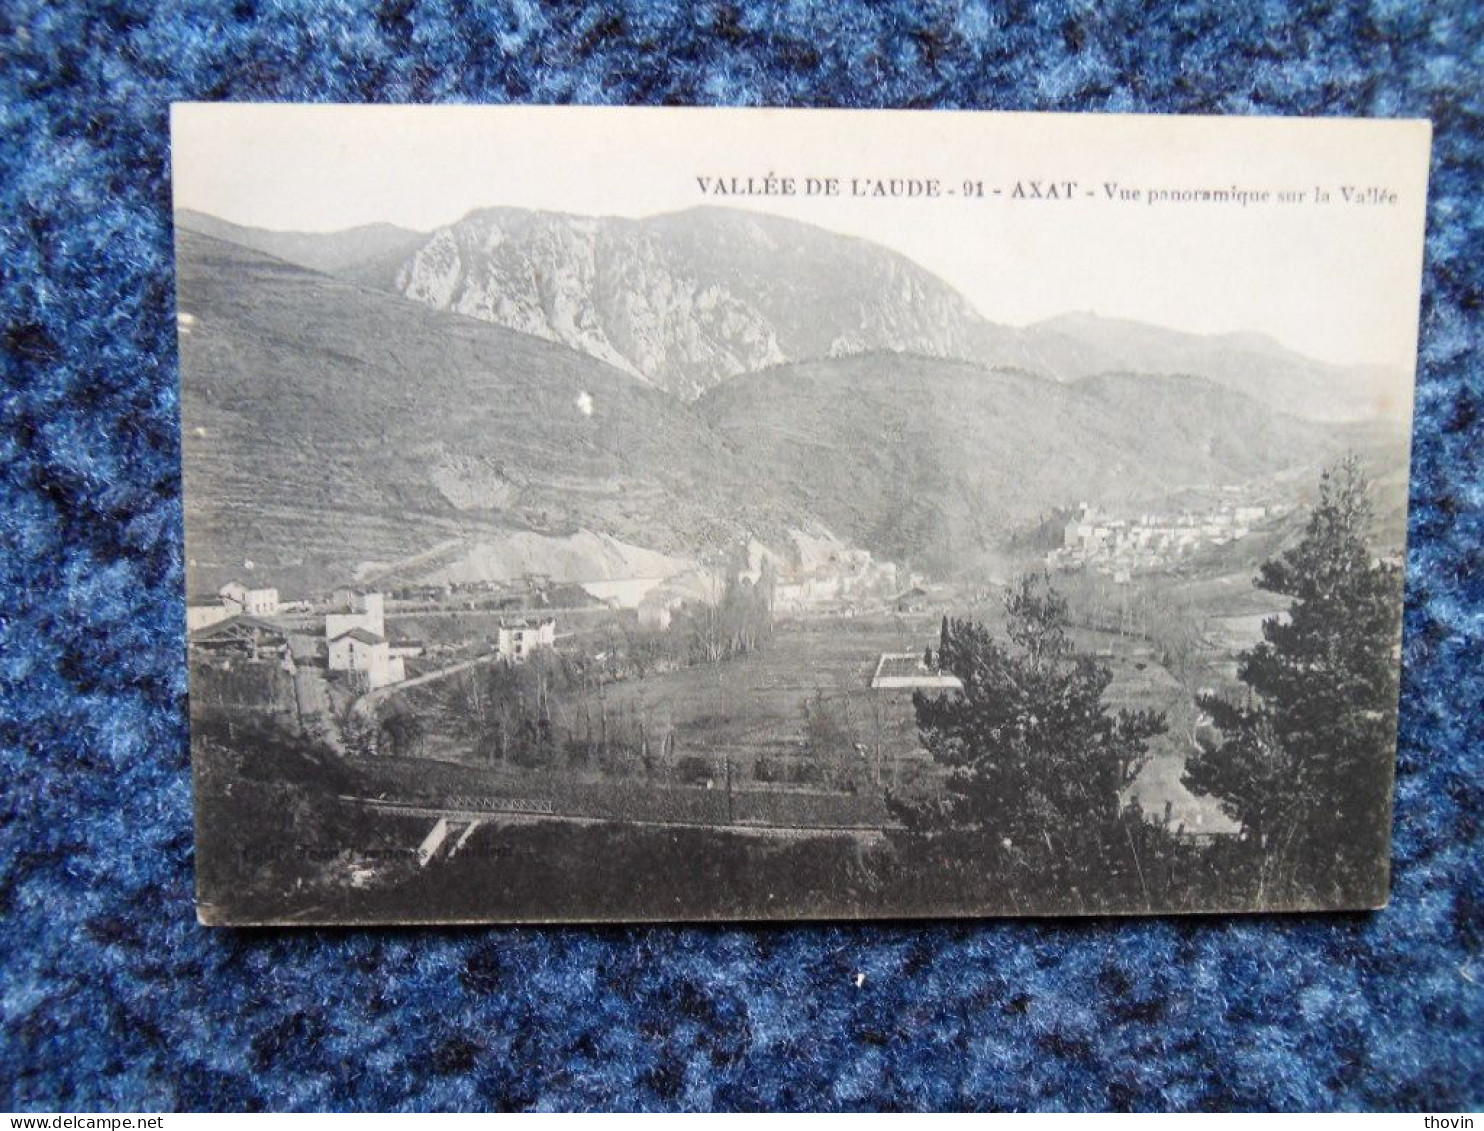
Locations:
column 846, row 577
column 1122, row 546
column 234, row 599
column 843, row 582
column 349, row 629
column 527, row 590
column 235, row 627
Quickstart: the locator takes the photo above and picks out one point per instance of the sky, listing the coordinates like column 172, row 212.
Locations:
column 1338, row 281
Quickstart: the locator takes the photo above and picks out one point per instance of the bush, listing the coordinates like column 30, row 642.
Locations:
column 694, row 770
column 764, row 769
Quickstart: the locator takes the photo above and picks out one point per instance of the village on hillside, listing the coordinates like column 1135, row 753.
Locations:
column 1121, row 546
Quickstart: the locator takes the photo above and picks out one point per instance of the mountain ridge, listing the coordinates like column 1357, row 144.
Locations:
column 690, row 299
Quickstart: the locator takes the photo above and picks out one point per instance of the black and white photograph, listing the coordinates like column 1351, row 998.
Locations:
column 609, row 515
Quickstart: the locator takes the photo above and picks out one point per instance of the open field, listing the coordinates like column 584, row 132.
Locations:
column 747, row 717
column 753, row 707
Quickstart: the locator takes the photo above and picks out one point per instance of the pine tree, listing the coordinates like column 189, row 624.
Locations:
column 1305, row 767
column 1037, row 761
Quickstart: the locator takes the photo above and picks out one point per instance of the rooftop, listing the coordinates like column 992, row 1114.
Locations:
column 360, row 634
column 234, row 626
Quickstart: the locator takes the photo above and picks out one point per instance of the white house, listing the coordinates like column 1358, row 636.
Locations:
column 655, row 616
column 817, row 588
column 914, row 600
column 790, row 595
column 520, row 638
column 238, row 598
column 204, row 614
column 368, row 657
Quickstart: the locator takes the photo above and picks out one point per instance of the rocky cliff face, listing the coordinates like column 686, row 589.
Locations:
column 688, row 300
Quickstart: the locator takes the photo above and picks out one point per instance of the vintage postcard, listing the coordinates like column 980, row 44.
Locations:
column 687, row 514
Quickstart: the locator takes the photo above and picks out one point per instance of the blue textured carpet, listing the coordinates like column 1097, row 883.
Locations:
column 112, row 996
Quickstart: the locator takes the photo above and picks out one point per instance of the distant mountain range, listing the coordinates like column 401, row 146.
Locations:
column 690, row 300
column 370, row 253
column 936, row 460
column 329, row 424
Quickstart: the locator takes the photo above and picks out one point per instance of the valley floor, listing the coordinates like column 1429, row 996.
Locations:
column 729, row 766
column 751, row 713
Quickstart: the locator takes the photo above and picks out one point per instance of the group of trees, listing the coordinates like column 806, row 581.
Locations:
column 547, row 714
column 1152, row 609
column 393, row 731
column 733, row 626
column 835, row 755
column 1038, row 764
column 552, row 711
